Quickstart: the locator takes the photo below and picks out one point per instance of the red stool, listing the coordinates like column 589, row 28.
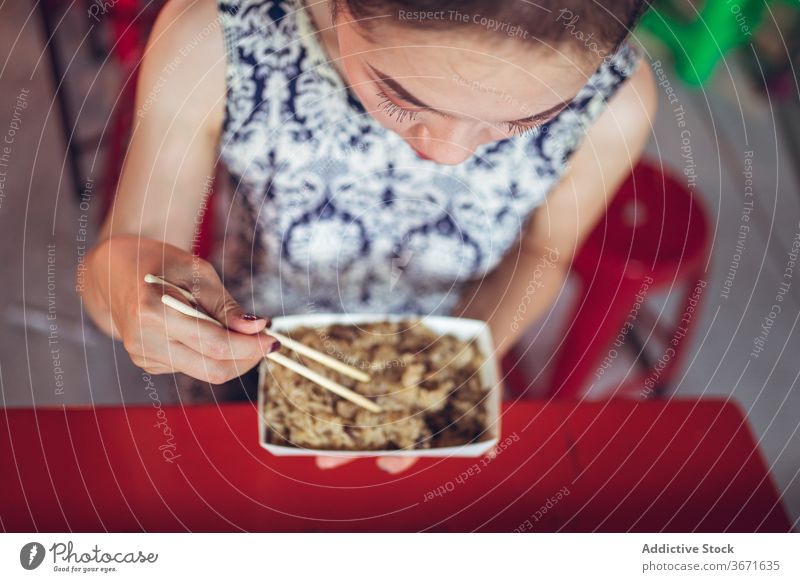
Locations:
column 653, row 239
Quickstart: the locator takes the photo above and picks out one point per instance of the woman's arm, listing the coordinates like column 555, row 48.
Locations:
column 529, row 278
column 167, row 173
column 180, row 103
column 175, row 129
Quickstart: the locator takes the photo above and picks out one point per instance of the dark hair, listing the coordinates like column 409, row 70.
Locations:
column 606, row 23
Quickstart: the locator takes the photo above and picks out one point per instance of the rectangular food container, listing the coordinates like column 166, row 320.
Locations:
column 463, row 329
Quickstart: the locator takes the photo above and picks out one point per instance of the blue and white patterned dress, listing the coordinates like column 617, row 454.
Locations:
column 334, row 213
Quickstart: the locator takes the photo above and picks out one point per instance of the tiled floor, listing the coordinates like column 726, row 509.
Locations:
column 72, row 363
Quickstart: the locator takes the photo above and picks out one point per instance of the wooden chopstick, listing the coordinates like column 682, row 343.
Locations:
column 326, row 383
column 286, row 341
column 149, row 278
column 282, row 360
column 323, row 359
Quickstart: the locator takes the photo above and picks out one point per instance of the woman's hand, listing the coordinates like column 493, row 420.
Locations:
column 391, row 465
column 161, row 340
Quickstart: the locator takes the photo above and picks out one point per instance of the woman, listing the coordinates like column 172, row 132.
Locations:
column 403, row 156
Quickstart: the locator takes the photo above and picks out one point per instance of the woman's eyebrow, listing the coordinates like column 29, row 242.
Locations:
column 401, row 92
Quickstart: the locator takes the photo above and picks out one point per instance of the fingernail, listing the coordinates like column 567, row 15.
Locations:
column 250, row 317
column 274, row 347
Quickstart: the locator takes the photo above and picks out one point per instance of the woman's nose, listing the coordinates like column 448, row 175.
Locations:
column 446, row 143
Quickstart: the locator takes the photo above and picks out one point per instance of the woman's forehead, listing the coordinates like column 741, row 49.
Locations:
column 484, row 80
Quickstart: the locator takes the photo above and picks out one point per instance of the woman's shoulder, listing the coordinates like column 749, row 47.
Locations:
column 183, row 70
column 187, row 23
column 629, row 86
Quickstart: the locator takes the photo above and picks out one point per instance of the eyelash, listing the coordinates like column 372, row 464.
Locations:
column 402, row 114
column 518, row 129
column 395, row 111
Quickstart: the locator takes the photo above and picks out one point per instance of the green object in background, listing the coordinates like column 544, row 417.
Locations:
column 700, row 38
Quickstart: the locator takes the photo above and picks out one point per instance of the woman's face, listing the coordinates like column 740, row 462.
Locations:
column 447, row 93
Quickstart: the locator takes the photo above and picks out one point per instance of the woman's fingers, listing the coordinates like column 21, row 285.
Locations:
column 333, row 462
column 212, row 341
column 211, row 294
column 163, row 340
column 177, row 357
column 395, row 465
column 151, row 367
column 391, row 465
column 187, row 361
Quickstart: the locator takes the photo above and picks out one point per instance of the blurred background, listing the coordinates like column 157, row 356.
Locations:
column 726, row 138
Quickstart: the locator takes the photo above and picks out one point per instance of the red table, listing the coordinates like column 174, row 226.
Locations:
column 615, row 466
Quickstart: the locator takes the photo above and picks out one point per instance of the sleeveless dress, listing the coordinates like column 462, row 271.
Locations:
column 333, row 213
